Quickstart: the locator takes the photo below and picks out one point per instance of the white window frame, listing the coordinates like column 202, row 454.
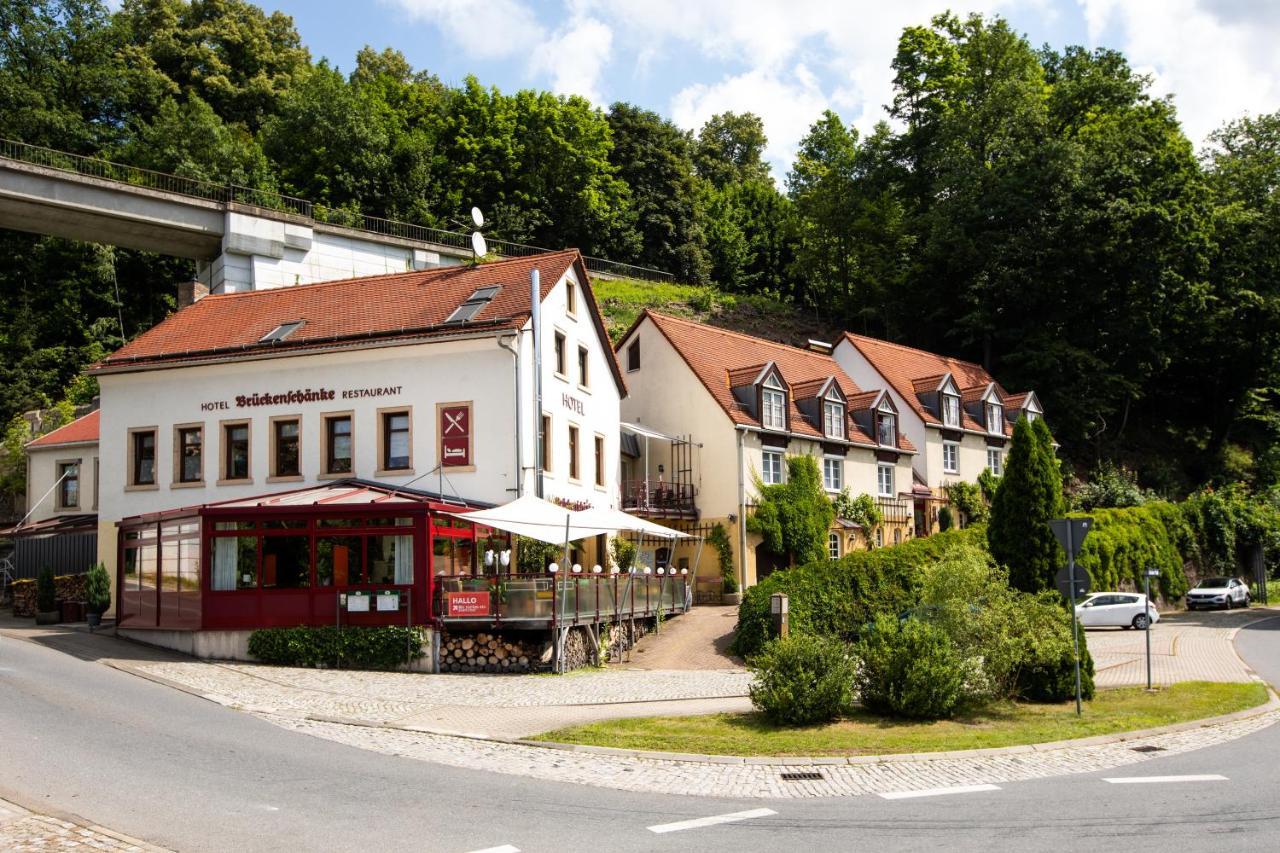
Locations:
column 882, row 415
column 951, row 459
column 995, row 418
column 833, row 544
column 995, row 453
column 832, row 464
column 950, row 410
column 771, row 467
column 833, row 418
column 884, row 479
column 773, row 406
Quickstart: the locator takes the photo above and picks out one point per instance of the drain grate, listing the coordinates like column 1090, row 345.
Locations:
column 802, row 776
column 1147, row 748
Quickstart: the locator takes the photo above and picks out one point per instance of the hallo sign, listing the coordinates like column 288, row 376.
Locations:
column 467, row 603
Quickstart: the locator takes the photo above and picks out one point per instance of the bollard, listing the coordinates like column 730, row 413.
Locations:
column 778, row 606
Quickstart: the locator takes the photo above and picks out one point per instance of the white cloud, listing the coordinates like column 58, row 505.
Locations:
column 575, row 58
column 1216, row 57
column 484, row 29
column 784, row 99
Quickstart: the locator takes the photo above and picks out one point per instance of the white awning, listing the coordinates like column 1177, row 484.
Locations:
column 547, row 522
column 636, row 429
column 535, row 518
column 618, row 520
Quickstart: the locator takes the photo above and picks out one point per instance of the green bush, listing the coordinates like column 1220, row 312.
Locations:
column 387, row 647
column 910, row 669
column 967, row 498
column 97, row 589
column 838, row 598
column 793, row 517
column 46, row 593
column 1046, row 672
column 945, row 519
column 803, row 680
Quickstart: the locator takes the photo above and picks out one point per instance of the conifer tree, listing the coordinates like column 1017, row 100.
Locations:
column 1029, row 496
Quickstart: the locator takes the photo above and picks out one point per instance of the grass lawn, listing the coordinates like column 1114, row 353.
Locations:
column 1004, row 724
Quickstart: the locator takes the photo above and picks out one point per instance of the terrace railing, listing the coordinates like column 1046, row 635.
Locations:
column 567, row 599
column 895, row 510
column 135, row 176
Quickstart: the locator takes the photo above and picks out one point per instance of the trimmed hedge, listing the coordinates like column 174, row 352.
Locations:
column 1125, row 542
column 327, row 646
column 838, row 598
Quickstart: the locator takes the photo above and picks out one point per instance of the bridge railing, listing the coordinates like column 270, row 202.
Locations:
column 136, row 176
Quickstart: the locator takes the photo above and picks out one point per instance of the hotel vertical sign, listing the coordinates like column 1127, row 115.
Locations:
column 455, row 433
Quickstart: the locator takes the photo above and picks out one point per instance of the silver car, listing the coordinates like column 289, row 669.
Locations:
column 1224, row 593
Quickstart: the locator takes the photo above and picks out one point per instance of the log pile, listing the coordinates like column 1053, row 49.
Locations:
column 65, row 588
column 488, row 653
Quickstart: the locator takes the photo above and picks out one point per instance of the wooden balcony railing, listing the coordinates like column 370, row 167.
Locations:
column 653, row 497
column 895, row 510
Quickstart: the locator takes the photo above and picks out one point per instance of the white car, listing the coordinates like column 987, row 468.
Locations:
column 1218, row 592
column 1116, row 610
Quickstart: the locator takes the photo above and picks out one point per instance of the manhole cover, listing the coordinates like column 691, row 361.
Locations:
column 1147, row 748
column 807, row 776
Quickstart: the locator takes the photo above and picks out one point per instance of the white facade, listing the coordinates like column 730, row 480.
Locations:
column 46, row 497
column 476, row 369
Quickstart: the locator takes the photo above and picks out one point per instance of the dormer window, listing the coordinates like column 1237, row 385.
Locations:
column 886, row 428
column 950, row 410
column 995, row 418
column 773, row 405
column 1031, row 415
column 833, row 416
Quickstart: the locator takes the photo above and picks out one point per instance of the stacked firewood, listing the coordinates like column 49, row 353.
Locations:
column 487, row 653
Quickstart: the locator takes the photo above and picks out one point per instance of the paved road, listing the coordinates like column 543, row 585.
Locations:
column 183, row 773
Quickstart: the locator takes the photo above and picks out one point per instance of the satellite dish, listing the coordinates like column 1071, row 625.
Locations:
column 477, row 217
column 478, row 245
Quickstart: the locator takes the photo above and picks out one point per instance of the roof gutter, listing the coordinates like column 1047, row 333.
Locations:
column 248, row 352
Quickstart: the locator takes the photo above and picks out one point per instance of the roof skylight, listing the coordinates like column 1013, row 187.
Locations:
column 279, row 333
column 474, row 304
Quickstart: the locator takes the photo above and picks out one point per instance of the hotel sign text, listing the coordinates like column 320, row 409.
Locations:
column 296, row 396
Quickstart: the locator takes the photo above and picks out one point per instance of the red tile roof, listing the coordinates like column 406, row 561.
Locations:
column 714, row 354
column 79, row 431
column 400, row 306
column 910, row 371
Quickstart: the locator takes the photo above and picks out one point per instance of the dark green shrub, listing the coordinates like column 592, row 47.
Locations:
column 838, row 598
column 802, row 680
column 1047, row 670
column 97, row 589
column 945, row 519
column 386, row 647
column 46, row 594
column 1030, row 495
column 909, row 669
column 793, row 517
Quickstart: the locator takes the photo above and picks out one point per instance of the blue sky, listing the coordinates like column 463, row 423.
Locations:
column 787, row 61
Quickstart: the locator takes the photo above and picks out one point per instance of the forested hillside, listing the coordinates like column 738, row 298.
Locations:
column 1036, row 210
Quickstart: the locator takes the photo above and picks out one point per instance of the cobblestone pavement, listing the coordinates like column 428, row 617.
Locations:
column 22, row 830
column 1184, row 647
column 697, row 640
column 751, row 778
column 483, row 705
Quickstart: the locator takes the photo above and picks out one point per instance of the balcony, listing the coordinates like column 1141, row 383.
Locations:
column 895, row 510
column 656, row 499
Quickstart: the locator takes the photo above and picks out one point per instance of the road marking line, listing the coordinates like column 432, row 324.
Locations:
column 505, row 848
column 1136, row 780
column 938, row 792
column 710, row 821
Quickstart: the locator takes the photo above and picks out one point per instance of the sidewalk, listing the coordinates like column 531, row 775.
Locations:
column 23, row 830
column 698, row 639
column 1184, row 647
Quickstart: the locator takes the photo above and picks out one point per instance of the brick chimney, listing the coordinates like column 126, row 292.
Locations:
column 191, row 292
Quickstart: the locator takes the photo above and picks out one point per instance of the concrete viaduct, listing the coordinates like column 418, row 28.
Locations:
column 240, row 239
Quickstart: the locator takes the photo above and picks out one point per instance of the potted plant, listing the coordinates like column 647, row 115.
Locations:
column 97, row 593
column 46, row 598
